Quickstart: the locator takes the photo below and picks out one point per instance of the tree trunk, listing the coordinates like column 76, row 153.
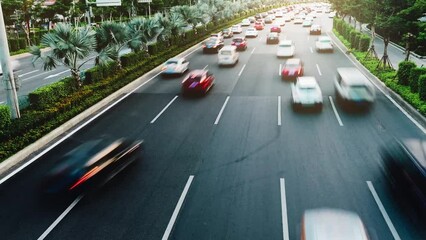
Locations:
column 28, row 31
column 384, row 61
column 76, row 75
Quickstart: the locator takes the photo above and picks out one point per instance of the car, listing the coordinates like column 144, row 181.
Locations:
column 353, row 90
column 175, row 66
column 280, row 22
column 259, row 25
column 287, row 18
column 309, row 18
column 251, row 32
column 268, row 20
column 404, row 162
column 315, row 30
column 198, row 81
column 272, row 38
column 245, row 22
column 252, row 19
column 240, row 43
column 298, row 20
column 212, row 45
column 272, row 16
column 237, row 29
column 332, row 224
column 227, row 33
column 275, row 28
column 264, row 14
column 90, row 164
column 286, row 48
column 218, row 35
column 228, row 55
column 332, row 14
column 324, row 44
column 292, row 68
column 307, row 23
column 306, row 93
column 257, row 16
column 278, row 14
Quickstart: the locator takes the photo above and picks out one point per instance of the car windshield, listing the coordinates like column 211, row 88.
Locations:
column 359, row 90
column 292, row 65
column 211, row 41
column 285, row 45
column 195, row 78
column 226, row 53
column 238, row 40
column 172, row 62
column 325, row 40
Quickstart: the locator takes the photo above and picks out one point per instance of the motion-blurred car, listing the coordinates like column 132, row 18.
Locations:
column 198, row 81
column 306, row 93
column 315, row 30
column 240, row 43
column 272, row 38
column 227, row 33
column 91, row 164
column 212, row 45
column 259, row 25
column 307, row 23
column 332, row 14
column 280, row 22
column 278, row 14
column 332, row 224
column 218, row 35
column 245, row 22
column 257, row 16
column 405, row 166
column 237, row 29
column 268, row 20
column 353, row 90
column 298, row 20
column 292, row 68
column 275, row 28
column 228, row 55
column 286, row 48
column 252, row 19
column 287, row 18
column 251, row 32
column 324, row 44
column 175, row 66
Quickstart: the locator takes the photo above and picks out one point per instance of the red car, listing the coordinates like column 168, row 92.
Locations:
column 240, row 43
column 293, row 68
column 259, row 26
column 276, row 28
column 198, row 81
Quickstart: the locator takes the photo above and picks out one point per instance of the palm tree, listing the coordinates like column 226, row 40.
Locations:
column 68, row 46
column 189, row 14
column 171, row 26
column 144, row 31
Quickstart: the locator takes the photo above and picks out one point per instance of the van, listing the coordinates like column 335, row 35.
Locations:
column 228, row 55
column 353, row 89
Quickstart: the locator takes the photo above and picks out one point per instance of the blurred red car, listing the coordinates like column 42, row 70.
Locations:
column 198, row 81
column 293, row 68
column 240, row 43
column 276, row 28
column 259, row 25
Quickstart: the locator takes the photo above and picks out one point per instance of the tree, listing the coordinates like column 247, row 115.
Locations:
column 172, row 25
column 143, row 31
column 68, row 46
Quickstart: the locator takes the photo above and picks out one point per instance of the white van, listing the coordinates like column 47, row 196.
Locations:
column 228, row 55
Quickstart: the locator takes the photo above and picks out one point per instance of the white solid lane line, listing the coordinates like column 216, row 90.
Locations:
column 164, row 109
column 279, row 70
column 59, row 219
column 253, row 50
column 177, row 209
column 279, row 110
column 242, row 69
column 312, row 51
column 335, row 111
column 205, row 67
column 319, row 71
column 284, row 210
column 28, row 73
column 37, row 75
column 383, row 211
column 56, row 74
column 221, row 111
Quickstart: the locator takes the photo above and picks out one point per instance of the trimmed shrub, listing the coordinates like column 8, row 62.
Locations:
column 404, row 69
column 93, row 74
column 364, row 43
column 414, row 78
column 45, row 96
column 5, row 117
column 357, row 40
column 352, row 36
column 422, row 87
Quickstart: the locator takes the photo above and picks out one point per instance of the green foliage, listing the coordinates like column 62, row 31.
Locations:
column 404, row 69
column 414, row 78
column 47, row 95
column 5, row 117
column 352, row 36
column 422, row 87
column 364, row 43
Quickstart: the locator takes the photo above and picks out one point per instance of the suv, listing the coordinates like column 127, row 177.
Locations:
column 353, row 89
column 405, row 165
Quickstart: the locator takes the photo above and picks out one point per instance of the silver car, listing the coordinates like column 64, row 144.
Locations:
column 324, row 44
column 306, row 93
column 175, row 66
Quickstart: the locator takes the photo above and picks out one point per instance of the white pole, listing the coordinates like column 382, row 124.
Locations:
column 12, row 97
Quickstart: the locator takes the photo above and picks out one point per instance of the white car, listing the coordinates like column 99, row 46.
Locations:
column 306, row 93
column 280, row 22
column 278, row 14
column 228, row 55
column 298, row 20
column 287, row 18
column 332, row 14
column 251, row 32
column 237, row 29
column 245, row 22
column 175, row 66
column 286, row 48
column 324, row 44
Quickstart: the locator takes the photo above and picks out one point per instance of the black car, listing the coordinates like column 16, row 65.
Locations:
column 273, row 38
column 90, row 164
column 405, row 165
column 212, row 45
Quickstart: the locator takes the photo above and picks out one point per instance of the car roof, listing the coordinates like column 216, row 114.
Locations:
column 174, row 59
column 417, row 148
column 293, row 61
column 324, row 37
column 272, row 33
column 307, row 82
column 333, row 224
column 238, row 38
column 197, row 72
column 228, row 47
column 352, row 76
column 286, row 42
column 251, row 29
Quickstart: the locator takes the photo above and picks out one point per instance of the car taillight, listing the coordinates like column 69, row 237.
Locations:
column 299, row 70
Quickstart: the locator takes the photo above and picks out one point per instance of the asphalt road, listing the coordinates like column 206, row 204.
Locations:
column 228, row 164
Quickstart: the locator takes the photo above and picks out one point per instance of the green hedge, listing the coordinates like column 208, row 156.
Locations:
column 404, row 69
column 5, row 118
column 422, row 87
column 414, row 78
column 352, row 36
column 45, row 96
column 364, row 43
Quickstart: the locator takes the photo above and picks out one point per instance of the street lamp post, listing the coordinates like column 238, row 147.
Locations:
column 12, row 97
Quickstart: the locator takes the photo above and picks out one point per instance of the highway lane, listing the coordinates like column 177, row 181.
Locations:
column 237, row 163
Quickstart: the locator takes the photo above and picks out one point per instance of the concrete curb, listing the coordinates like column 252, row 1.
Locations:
column 405, row 105
column 25, row 155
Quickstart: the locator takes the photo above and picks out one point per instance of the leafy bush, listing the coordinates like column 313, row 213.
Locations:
column 414, row 78
column 404, row 69
column 352, row 36
column 422, row 87
column 5, row 117
column 44, row 96
column 364, row 43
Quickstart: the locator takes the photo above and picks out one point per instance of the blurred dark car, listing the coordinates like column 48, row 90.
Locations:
column 198, row 81
column 212, row 45
column 405, row 166
column 92, row 163
column 240, row 43
column 272, row 38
